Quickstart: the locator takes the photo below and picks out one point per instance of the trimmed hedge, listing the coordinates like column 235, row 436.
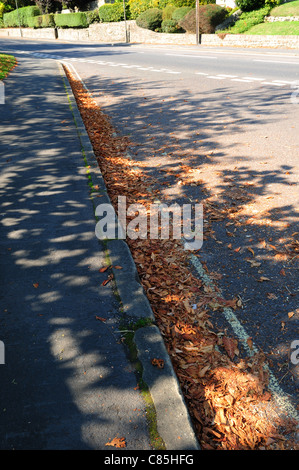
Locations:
column 71, row 20
column 150, row 19
column 20, row 17
column 111, row 12
column 42, row 21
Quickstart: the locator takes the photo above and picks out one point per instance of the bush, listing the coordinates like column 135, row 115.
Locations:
column 168, row 11
column 139, row 6
column 209, row 17
column 111, row 12
column 171, row 26
column 42, row 21
column 150, row 19
column 92, row 16
column 11, row 19
column 250, row 5
column 184, row 3
column 249, row 19
column 71, row 20
column 2, row 10
column 179, row 13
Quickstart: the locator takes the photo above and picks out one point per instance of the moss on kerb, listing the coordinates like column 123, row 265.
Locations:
column 128, row 330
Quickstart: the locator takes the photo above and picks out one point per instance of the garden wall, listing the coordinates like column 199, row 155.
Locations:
column 115, row 33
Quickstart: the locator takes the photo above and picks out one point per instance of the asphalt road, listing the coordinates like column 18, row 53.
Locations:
column 232, row 116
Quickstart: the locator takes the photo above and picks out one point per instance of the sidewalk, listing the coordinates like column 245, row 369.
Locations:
column 67, row 382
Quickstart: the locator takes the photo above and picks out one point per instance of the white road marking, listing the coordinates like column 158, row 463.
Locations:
column 273, row 83
column 275, row 62
column 279, row 395
column 240, row 80
column 254, row 79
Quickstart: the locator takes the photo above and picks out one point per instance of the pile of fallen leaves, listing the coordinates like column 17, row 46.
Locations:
column 226, row 395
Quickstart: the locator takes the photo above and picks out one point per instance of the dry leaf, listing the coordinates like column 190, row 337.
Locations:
column 117, row 442
column 104, row 283
column 230, row 346
column 158, row 363
column 100, row 318
column 102, row 270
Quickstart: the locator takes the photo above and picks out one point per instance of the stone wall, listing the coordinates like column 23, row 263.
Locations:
column 273, row 19
column 116, row 33
column 250, row 40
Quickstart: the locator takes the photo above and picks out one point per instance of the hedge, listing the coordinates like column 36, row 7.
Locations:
column 111, row 12
column 42, row 21
column 71, row 20
column 20, row 17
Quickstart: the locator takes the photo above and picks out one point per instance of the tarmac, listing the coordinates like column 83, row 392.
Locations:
column 67, row 380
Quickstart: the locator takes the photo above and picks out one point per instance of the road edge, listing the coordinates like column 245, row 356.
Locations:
column 173, row 420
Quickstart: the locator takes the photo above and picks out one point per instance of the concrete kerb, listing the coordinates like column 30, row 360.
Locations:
column 173, row 421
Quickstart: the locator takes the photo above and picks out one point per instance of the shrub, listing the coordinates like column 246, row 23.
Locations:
column 180, row 12
column 11, row 19
column 209, row 17
column 168, row 11
column 139, row 6
column 184, row 3
column 111, row 12
column 2, row 9
column 71, row 20
column 250, row 5
column 92, row 16
column 249, row 19
column 150, row 19
column 171, row 26
column 42, row 21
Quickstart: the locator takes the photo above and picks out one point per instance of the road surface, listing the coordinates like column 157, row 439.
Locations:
column 232, row 115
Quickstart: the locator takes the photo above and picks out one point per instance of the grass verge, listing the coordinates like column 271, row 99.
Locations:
column 287, row 9
column 280, row 28
column 7, row 63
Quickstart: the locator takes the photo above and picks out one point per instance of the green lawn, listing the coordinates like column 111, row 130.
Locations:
column 287, row 9
column 7, row 62
column 279, row 28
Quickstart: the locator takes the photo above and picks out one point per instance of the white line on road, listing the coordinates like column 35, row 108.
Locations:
column 280, row 397
column 193, row 56
column 227, row 76
column 275, row 62
column 273, row 83
column 240, row 80
column 254, row 79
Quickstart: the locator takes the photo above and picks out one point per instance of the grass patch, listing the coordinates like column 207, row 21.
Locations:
column 247, row 20
column 279, row 28
column 7, row 63
column 288, row 9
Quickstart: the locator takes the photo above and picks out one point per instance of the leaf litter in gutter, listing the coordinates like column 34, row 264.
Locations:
column 227, row 396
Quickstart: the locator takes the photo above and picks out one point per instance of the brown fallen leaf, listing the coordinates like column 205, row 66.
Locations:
column 104, row 283
column 263, row 278
column 158, row 363
column 100, row 318
column 230, row 346
column 36, row 284
column 117, row 442
column 117, row 267
column 102, row 270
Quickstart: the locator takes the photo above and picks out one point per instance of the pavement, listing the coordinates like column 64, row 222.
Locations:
column 67, row 380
